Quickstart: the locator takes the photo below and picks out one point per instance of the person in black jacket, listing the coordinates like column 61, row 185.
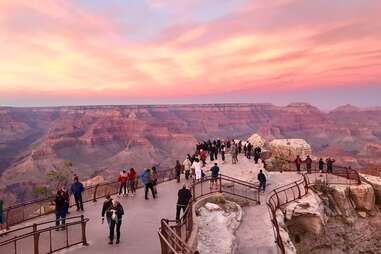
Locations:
column 184, row 195
column 114, row 213
column 262, row 180
column 321, row 165
column 308, row 162
column 106, row 205
column 60, row 205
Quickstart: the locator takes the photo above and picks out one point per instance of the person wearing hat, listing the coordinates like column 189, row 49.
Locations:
column 77, row 189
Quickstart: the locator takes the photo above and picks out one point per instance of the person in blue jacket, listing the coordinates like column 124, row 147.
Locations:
column 77, row 189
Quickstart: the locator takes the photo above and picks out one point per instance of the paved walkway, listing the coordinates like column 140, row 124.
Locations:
column 142, row 217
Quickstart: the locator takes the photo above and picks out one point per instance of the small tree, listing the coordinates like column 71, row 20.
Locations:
column 60, row 176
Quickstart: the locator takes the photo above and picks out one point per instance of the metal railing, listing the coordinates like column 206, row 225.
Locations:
column 43, row 238
column 174, row 234
column 296, row 190
column 32, row 209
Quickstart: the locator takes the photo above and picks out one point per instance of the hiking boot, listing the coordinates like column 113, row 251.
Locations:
column 117, row 241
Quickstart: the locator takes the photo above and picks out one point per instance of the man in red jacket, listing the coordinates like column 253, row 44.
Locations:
column 298, row 162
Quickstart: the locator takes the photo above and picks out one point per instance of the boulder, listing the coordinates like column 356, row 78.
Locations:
column 342, row 202
column 212, row 207
column 288, row 149
column 375, row 181
column 283, row 231
column 362, row 196
column 256, row 140
column 307, row 214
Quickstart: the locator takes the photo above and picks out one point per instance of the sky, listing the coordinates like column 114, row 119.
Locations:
column 90, row 52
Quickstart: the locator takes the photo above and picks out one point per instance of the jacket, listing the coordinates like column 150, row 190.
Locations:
column 261, row 177
column 77, row 188
column 106, row 205
column 122, row 178
column 118, row 210
column 184, row 195
column 146, row 177
column 60, row 203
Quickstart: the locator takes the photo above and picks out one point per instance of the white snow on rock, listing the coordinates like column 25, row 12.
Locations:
column 217, row 229
column 212, row 207
column 256, row 140
column 288, row 149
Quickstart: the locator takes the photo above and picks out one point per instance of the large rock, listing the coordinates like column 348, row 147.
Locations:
column 284, row 234
column 343, row 204
column 256, row 140
column 288, row 149
column 362, row 196
column 375, row 181
column 307, row 214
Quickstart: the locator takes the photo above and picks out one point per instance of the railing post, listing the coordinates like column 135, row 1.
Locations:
column 95, row 193
column 35, row 239
column 83, row 227
column 297, row 185
column 7, row 220
column 220, row 180
column 194, row 190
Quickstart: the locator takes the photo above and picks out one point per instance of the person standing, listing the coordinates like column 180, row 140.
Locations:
column 298, row 162
column 183, row 197
column 132, row 181
column 122, row 179
column 67, row 199
column 262, row 180
column 215, row 171
column 155, row 178
column 308, row 162
column 115, row 212
column 77, row 189
column 178, row 170
column 321, row 165
column 223, row 151
column 148, row 183
column 187, row 167
column 197, row 169
column 330, row 162
column 60, row 207
column 106, row 205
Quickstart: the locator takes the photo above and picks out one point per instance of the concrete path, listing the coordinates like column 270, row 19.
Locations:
column 142, row 217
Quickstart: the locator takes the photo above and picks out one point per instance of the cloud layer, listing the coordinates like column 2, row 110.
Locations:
column 105, row 51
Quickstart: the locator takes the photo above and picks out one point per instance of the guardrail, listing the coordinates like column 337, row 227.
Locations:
column 174, row 234
column 29, row 210
column 46, row 239
column 296, row 190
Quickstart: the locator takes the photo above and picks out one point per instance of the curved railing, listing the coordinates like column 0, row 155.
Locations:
column 32, row 209
column 296, row 190
column 282, row 196
column 174, row 234
column 43, row 238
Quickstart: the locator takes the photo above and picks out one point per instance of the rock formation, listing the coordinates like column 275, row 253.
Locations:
column 288, row 149
column 256, row 140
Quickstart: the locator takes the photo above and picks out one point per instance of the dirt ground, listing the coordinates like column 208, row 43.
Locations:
column 361, row 237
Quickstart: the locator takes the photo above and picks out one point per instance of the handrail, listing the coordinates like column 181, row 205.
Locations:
column 274, row 202
column 19, row 213
column 183, row 227
column 10, row 245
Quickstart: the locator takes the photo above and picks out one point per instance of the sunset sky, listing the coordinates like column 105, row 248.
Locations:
column 77, row 52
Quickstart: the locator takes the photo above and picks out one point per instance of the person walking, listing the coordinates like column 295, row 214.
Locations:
column 187, row 167
column 262, row 181
column 298, row 162
column 215, row 171
column 122, row 179
column 77, row 189
column 60, row 208
column 321, row 165
column 148, row 183
column 178, row 170
column 155, row 178
column 308, row 162
column 132, row 181
column 115, row 213
column 106, row 205
column 183, row 197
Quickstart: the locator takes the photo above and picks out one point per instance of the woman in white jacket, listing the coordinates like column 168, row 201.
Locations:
column 197, row 169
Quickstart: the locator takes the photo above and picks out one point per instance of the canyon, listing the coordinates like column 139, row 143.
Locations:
column 102, row 140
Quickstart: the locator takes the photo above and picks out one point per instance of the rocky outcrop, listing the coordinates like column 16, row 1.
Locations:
column 363, row 196
column 284, row 234
column 375, row 181
column 256, row 140
column 288, row 149
column 217, row 224
column 306, row 214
